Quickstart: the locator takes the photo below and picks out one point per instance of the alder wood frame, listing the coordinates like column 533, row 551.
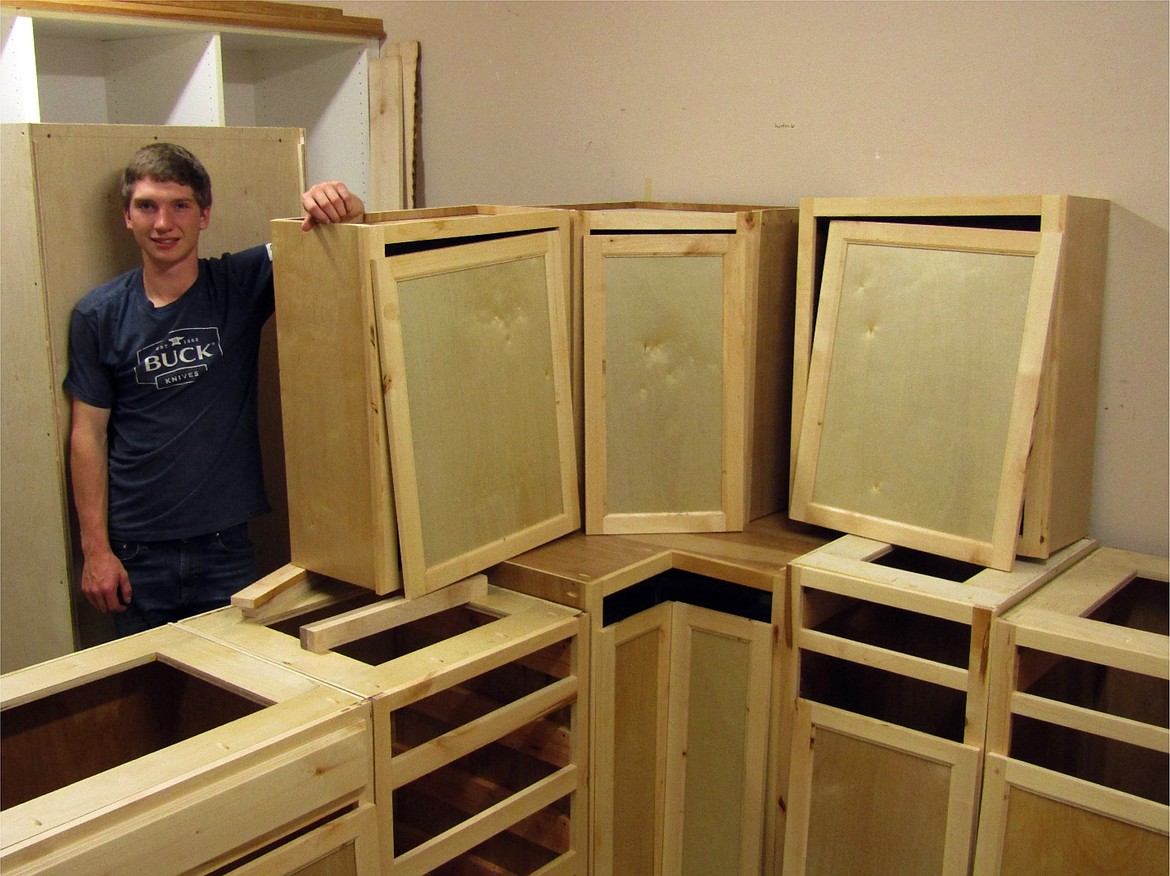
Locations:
column 994, row 544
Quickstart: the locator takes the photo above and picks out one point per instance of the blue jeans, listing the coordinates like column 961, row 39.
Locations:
column 171, row 580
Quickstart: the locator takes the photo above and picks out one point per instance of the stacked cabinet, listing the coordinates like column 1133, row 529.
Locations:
column 687, row 312
column 425, row 391
column 63, row 234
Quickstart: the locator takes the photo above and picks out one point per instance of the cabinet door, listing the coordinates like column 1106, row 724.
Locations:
column 474, row 362
column 869, row 798
column 631, row 712
column 680, row 736
column 717, row 743
column 664, row 383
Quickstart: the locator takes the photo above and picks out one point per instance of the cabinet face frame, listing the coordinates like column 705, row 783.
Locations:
column 726, row 510
column 992, row 540
column 1058, row 623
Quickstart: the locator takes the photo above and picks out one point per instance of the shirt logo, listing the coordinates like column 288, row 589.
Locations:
column 181, row 357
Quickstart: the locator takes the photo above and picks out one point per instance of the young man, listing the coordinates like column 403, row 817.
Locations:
column 164, row 449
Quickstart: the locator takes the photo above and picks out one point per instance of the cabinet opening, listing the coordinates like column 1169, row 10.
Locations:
column 676, row 585
column 885, row 696
column 411, row 246
column 1140, row 604
column 909, row 560
column 389, row 644
column 1131, row 769
column 341, row 856
column 62, row 738
column 523, row 848
column 882, row 626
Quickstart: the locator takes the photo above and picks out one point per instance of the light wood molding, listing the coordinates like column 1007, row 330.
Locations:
column 252, row 14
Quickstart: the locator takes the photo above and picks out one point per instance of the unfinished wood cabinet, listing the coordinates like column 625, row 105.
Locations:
column 167, row 753
column 1077, row 771
column 51, row 174
column 887, row 678
column 684, row 641
column 687, row 317
column 425, row 391
column 478, row 712
column 1059, row 472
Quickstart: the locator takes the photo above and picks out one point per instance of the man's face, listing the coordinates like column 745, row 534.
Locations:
column 165, row 220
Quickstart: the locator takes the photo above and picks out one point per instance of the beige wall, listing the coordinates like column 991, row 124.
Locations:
column 768, row 102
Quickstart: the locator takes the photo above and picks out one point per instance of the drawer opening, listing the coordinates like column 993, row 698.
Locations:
column 676, row 585
column 882, row 626
column 884, row 696
column 1078, row 752
column 523, row 848
column 340, row 856
column 423, row 632
column 62, row 738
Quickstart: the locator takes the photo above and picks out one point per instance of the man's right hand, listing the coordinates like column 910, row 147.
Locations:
column 105, row 583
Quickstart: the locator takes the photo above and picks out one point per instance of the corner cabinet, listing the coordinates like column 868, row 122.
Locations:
column 254, row 64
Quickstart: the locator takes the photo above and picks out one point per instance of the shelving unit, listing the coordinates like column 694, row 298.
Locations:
column 255, row 64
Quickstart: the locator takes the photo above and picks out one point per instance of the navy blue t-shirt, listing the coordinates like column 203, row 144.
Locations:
column 180, row 384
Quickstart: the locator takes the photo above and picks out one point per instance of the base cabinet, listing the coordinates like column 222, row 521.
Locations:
column 681, row 727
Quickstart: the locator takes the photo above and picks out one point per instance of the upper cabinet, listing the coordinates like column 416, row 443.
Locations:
column 254, row 64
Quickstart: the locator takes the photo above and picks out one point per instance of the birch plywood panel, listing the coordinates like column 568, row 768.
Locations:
column 475, row 357
column 923, row 383
column 665, row 401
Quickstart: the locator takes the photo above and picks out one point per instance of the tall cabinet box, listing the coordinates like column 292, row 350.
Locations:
column 687, row 317
column 425, row 391
column 63, row 234
column 1076, row 778
column 1059, row 474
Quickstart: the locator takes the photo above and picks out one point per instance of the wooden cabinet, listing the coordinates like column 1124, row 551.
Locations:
column 681, row 697
column 52, row 175
column 1076, row 772
column 427, row 413
column 684, row 633
column 687, row 314
column 259, row 64
column 168, row 753
column 887, row 678
column 1059, row 472
column 479, row 721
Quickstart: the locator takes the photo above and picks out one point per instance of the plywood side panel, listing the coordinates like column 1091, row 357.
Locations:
column 341, row 502
column 34, row 529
